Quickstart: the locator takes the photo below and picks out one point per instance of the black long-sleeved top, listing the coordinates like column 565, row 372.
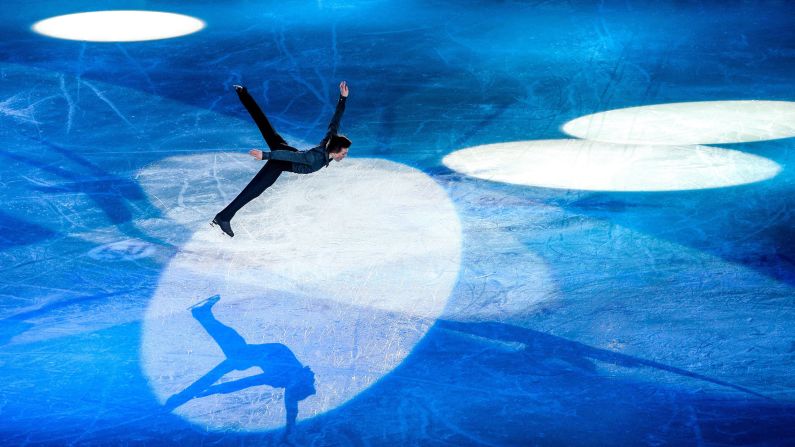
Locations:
column 306, row 162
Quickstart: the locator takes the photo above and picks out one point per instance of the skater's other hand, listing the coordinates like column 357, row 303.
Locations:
column 256, row 153
column 344, row 89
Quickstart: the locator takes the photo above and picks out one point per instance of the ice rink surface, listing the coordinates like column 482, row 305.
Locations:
column 560, row 223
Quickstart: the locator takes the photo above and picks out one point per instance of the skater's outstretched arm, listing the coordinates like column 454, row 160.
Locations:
column 273, row 139
column 291, row 408
column 300, row 157
column 334, row 125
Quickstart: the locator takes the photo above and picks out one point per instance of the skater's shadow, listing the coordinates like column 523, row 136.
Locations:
column 280, row 368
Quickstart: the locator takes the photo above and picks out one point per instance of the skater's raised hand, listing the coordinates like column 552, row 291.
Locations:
column 256, row 153
column 344, row 89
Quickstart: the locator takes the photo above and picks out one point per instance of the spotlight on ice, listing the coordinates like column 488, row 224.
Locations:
column 348, row 283
column 706, row 122
column 118, row 26
column 596, row 166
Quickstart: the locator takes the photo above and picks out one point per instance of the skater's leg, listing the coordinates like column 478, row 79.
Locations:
column 273, row 139
column 262, row 181
column 195, row 389
column 266, row 378
column 230, row 342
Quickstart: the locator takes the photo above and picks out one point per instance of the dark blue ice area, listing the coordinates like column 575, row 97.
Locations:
column 664, row 318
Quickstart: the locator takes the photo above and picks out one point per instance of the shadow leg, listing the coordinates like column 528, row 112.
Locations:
column 198, row 386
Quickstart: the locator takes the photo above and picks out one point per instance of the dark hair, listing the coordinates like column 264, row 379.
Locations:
column 337, row 142
column 302, row 384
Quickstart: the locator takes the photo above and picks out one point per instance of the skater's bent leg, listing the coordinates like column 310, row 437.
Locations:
column 262, row 181
column 273, row 139
column 230, row 342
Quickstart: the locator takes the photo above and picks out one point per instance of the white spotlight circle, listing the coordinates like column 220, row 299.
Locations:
column 706, row 122
column 343, row 271
column 118, row 26
column 595, row 166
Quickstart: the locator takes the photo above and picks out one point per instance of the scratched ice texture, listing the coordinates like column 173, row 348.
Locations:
column 550, row 316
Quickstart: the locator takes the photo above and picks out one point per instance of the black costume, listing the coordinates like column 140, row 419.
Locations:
column 282, row 157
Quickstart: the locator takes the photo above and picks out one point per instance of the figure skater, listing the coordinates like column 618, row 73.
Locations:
column 283, row 157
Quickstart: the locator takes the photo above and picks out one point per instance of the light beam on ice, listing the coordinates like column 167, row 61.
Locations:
column 595, row 166
column 118, row 26
column 704, row 122
column 347, row 268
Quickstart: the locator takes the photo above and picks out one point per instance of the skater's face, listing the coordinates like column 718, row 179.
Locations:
column 338, row 156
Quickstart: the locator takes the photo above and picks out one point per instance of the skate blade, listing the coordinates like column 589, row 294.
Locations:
column 213, row 224
column 216, row 298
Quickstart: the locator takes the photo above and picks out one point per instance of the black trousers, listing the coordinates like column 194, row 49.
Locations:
column 272, row 169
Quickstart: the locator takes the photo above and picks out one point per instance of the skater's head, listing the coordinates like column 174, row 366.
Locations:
column 338, row 147
column 303, row 384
